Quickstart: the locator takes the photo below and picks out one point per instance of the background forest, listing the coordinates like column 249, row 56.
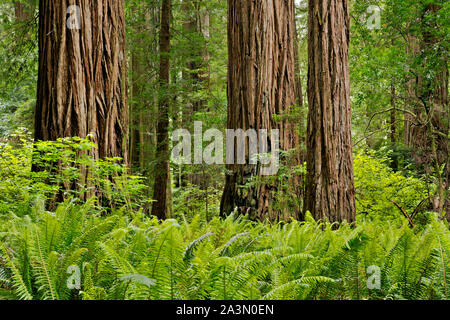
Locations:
column 92, row 206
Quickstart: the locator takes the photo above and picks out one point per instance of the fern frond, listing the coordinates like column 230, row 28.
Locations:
column 18, row 283
column 189, row 252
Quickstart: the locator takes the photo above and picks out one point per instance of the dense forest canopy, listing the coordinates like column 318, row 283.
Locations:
column 213, row 149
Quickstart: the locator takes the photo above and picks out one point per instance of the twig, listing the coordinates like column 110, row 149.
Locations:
column 404, row 213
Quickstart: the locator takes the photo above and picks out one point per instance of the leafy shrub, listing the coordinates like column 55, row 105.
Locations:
column 15, row 179
column 378, row 186
column 66, row 170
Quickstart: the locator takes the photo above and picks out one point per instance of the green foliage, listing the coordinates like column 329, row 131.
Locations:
column 127, row 255
column 62, row 165
column 133, row 256
column 377, row 185
column 15, row 176
column 82, row 214
column 18, row 67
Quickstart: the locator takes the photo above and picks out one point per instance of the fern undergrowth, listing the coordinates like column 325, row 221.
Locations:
column 130, row 256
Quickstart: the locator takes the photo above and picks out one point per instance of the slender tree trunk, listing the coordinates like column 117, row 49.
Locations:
column 393, row 124
column 196, row 27
column 136, row 121
column 435, row 92
column 412, row 49
column 162, row 178
column 144, row 84
column 191, row 74
column 82, row 85
column 298, row 81
column 261, row 83
column 330, row 192
column 393, row 119
column 24, row 12
column 301, row 118
column 204, row 73
column 24, row 9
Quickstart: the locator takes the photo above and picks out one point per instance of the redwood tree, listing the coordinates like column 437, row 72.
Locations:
column 162, row 178
column 82, row 84
column 261, row 83
column 330, row 191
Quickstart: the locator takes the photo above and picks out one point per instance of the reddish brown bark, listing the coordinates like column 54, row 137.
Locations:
column 261, row 83
column 160, row 191
column 330, row 192
column 82, row 85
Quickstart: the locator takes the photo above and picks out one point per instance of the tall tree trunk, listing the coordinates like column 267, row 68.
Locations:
column 82, row 85
column 393, row 125
column 162, row 174
column 204, row 29
column 196, row 27
column 427, row 134
column 191, row 75
column 301, row 116
column 144, row 84
column 136, row 116
column 261, row 83
column 393, row 119
column 412, row 49
column 330, row 192
column 434, row 97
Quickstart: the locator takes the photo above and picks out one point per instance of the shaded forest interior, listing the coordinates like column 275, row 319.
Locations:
column 342, row 107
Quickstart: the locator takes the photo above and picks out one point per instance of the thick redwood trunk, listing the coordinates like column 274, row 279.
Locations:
column 330, row 192
column 160, row 191
column 82, row 85
column 261, row 83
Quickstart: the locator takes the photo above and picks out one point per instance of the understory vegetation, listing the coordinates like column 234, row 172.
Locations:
column 224, row 150
column 82, row 250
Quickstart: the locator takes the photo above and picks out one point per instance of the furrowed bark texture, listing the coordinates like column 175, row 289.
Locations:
column 82, row 85
column 261, row 83
column 330, row 192
column 160, row 206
